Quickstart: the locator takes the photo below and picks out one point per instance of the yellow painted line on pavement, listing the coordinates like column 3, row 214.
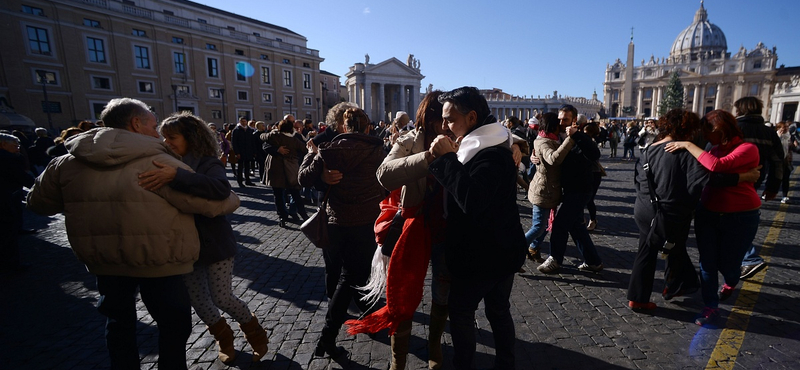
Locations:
column 731, row 338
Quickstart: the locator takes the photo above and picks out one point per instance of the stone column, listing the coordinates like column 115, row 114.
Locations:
column 696, row 101
column 640, row 102
column 701, row 102
column 718, row 96
column 358, row 95
column 381, row 104
column 738, row 90
column 367, row 107
column 658, row 95
column 403, row 102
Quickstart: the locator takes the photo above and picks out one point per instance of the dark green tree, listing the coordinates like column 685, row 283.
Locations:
column 673, row 97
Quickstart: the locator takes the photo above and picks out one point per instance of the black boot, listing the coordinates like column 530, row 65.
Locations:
column 327, row 346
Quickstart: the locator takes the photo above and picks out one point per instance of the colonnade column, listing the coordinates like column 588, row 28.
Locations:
column 368, row 99
column 718, row 96
column 696, row 101
column 381, row 104
column 640, row 102
column 403, row 105
column 657, row 100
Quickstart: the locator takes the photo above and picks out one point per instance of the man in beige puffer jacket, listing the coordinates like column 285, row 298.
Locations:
column 132, row 239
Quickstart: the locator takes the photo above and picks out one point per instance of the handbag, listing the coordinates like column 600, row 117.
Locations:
column 315, row 228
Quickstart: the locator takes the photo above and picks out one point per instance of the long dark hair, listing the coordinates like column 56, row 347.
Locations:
column 550, row 123
column 429, row 114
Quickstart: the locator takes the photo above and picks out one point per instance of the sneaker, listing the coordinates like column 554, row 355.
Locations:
column 549, row 266
column 725, row 292
column 637, row 306
column 707, row 316
column 535, row 254
column 750, row 270
column 593, row 268
column 592, row 225
column 785, row 200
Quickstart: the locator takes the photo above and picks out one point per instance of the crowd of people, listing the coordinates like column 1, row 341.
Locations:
column 159, row 196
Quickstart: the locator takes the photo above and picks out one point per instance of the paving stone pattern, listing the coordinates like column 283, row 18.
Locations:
column 569, row 320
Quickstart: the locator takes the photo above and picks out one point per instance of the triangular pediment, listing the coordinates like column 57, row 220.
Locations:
column 394, row 67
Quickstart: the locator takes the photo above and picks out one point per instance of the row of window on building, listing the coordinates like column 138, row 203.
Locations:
column 39, row 43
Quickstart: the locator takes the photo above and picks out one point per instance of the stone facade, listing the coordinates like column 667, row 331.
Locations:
column 505, row 105
column 786, row 98
column 711, row 76
column 171, row 54
column 387, row 87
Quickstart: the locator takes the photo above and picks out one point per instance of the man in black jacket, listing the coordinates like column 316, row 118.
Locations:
column 576, row 183
column 242, row 142
column 484, row 241
column 770, row 152
column 11, row 194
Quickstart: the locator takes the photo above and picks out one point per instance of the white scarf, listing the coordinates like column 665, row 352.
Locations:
column 481, row 138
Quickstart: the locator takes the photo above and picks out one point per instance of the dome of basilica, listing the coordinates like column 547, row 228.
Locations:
column 700, row 38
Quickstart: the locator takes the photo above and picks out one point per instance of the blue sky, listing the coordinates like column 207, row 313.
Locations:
column 525, row 47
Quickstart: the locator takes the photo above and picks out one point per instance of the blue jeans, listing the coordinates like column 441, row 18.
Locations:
column 538, row 229
column 751, row 257
column 167, row 301
column 569, row 221
column 722, row 239
column 465, row 295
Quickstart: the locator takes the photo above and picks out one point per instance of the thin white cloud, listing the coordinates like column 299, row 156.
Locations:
column 366, row 11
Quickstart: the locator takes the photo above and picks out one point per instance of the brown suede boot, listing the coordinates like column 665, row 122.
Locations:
column 223, row 333
column 256, row 336
column 400, row 345
column 435, row 331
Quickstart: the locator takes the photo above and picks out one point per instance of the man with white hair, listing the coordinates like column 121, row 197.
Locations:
column 132, row 239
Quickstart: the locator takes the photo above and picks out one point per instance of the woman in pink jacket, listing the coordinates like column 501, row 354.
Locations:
column 727, row 219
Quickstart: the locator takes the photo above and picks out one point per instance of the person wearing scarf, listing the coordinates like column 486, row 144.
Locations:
column 484, row 241
column 421, row 201
column 545, row 190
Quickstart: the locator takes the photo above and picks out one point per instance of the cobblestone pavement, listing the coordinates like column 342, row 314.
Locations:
column 571, row 320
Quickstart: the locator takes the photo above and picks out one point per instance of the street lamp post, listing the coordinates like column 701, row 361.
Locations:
column 224, row 114
column 175, row 96
column 43, row 78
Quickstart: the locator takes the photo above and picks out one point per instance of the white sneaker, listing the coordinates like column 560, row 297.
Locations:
column 549, row 266
column 592, row 225
column 785, row 200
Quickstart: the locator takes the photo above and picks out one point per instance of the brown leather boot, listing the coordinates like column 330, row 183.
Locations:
column 256, row 336
column 435, row 331
column 223, row 333
column 400, row 345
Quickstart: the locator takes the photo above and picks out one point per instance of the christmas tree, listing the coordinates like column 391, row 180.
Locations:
column 673, row 97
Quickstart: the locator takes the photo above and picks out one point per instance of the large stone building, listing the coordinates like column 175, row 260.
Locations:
column 385, row 88
column 504, row 105
column 172, row 54
column 329, row 83
column 711, row 76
